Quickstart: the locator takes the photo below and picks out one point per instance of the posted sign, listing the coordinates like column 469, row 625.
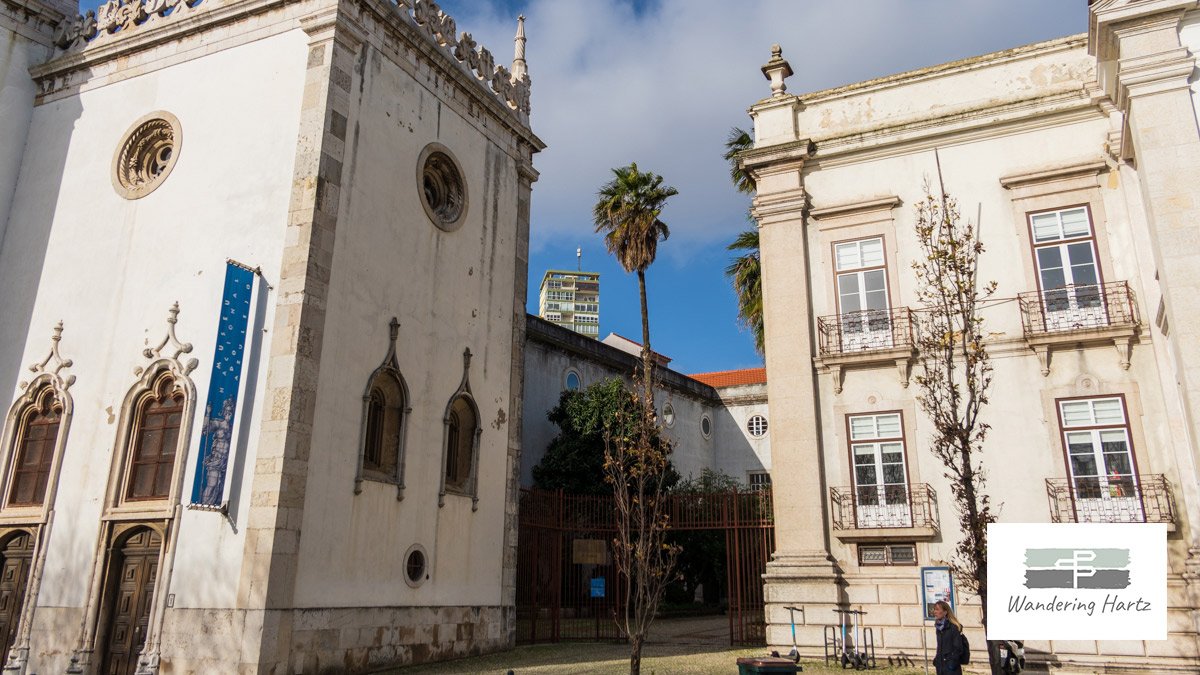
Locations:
column 936, row 584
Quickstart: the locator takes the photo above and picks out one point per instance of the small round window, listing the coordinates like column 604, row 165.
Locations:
column 572, row 381
column 443, row 189
column 668, row 415
column 415, row 566
column 757, row 426
column 146, row 155
column 706, row 426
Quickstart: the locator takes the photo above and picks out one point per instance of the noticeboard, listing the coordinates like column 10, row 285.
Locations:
column 597, row 587
column 936, row 584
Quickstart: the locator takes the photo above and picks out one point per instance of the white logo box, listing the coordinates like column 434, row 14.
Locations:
column 1077, row 581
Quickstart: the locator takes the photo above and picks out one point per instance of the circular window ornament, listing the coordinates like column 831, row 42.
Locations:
column 146, row 155
column 757, row 426
column 572, row 381
column 668, row 415
column 706, row 426
column 416, row 566
column 443, row 189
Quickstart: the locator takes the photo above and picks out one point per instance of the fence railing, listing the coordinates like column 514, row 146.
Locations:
column 1141, row 499
column 884, row 506
column 865, row 331
column 1077, row 308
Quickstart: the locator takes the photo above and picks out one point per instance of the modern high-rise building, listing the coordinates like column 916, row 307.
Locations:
column 571, row 299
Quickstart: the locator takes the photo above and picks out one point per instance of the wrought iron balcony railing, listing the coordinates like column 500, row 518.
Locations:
column 1078, row 308
column 1128, row 499
column 865, row 331
column 884, row 507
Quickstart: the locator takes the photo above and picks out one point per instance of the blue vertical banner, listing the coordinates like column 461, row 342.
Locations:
column 216, row 436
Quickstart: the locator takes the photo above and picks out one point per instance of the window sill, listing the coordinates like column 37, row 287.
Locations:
column 381, row 478
column 452, row 492
column 886, row 533
column 1121, row 337
column 900, row 357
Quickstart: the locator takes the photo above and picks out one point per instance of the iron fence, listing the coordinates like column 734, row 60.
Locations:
column 865, row 331
column 1140, row 499
column 884, row 506
column 1078, row 307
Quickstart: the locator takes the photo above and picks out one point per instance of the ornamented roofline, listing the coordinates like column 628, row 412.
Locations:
column 116, row 19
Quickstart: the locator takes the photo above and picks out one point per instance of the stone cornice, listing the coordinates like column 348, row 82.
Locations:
column 842, row 210
column 1056, row 174
column 400, row 25
column 1104, row 16
column 30, row 19
column 1071, row 104
column 779, row 157
column 66, row 72
column 945, row 69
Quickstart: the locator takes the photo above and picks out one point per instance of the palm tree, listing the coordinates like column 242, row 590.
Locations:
column 745, row 271
column 627, row 212
column 739, row 141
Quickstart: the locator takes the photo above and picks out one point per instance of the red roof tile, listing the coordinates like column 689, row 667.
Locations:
column 732, row 378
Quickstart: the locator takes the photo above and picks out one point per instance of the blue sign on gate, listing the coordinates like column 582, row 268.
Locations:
column 598, row 587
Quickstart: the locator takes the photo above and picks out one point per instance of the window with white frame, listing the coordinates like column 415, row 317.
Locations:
column 1064, row 247
column 757, row 426
column 1100, row 458
column 759, row 480
column 554, row 283
column 877, row 453
column 862, row 292
column 887, row 554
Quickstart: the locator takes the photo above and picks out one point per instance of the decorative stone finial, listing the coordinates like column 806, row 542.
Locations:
column 54, row 363
column 518, row 64
column 171, row 348
column 777, row 70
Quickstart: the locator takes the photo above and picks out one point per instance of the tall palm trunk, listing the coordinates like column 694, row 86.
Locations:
column 646, row 362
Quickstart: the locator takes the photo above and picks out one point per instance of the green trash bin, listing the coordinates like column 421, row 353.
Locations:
column 752, row 665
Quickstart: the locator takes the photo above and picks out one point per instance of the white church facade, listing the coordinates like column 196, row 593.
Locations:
column 248, row 428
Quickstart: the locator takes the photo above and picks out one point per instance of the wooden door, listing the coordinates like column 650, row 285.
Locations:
column 14, row 579
column 133, row 572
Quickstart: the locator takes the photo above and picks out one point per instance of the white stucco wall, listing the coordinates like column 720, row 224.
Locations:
column 450, row 291
column 17, row 54
column 110, row 269
column 738, row 453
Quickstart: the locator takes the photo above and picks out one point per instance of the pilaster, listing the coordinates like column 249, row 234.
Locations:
column 277, row 502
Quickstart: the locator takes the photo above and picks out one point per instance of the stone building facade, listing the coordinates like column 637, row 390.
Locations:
column 708, row 418
column 1077, row 160
column 354, row 158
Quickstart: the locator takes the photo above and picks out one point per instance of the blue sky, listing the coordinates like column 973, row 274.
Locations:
column 661, row 82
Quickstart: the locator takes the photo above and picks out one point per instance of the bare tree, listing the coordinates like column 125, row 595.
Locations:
column 955, row 371
column 636, row 465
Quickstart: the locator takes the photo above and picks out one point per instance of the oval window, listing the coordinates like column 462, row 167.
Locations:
column 668, row 414
column 757, row 426
column 706, row 426
column 572, row 381
column 415, row 572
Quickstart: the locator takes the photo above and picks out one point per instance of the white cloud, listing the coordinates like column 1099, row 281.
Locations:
column 662, row 85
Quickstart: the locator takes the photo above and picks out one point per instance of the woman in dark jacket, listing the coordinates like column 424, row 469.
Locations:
column 949, row 646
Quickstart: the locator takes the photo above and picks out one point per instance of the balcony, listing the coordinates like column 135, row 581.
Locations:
column 884, row 512
column 1140, row 499
column 1080, row 315
column 867, row 338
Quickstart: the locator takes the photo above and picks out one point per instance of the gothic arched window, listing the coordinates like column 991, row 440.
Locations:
column 384, row 426
column 155, row 441
column 461, row 428
column 37, row 438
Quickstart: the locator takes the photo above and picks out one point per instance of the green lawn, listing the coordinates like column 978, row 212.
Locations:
column 605, row 658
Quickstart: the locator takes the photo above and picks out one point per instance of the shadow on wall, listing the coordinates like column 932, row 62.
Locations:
column 733, row 452
column 25, row 242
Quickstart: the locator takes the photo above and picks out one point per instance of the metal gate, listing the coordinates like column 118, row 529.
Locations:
column 568, row 587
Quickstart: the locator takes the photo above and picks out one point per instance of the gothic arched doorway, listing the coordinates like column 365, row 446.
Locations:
column 132, row 571
column 16, row 557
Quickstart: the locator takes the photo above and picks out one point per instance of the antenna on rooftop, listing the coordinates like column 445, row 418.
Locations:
column 579, row 259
